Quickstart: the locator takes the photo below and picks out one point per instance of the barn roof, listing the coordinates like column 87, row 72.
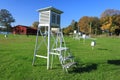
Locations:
column 24, row 26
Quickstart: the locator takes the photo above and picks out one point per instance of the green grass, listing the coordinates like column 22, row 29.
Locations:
column 101, row 63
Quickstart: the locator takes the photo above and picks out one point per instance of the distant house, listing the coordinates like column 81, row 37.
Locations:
column 25, row 30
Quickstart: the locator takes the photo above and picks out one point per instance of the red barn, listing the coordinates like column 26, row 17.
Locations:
column 25, row 30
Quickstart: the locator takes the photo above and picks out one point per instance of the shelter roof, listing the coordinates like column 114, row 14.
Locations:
column 50, row 8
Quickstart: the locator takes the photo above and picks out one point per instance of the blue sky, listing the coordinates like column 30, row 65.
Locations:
column 25, row 11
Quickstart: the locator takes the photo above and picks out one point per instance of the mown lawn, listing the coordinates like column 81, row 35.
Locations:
column 101, row 63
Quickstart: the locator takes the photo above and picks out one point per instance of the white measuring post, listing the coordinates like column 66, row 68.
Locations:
column 48, row 17
column 84, row 37
column 93, row 43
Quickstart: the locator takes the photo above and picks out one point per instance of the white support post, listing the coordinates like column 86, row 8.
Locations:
column 35, row 50
column 48, row 48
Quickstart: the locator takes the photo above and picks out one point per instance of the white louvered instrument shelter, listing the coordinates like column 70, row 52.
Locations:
column 49, row 16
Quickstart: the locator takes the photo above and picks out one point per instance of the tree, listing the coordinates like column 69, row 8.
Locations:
column 116, row 25
column 110, row 20
column 110, row 12
column 70, row 28
column 89, row 25
column 84, row 24
column 95, row 25
column 35, row 24
column 67, row 30
column 73, row 25
column 6, row 18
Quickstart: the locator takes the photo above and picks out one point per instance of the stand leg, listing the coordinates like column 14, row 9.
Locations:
column 35, row 50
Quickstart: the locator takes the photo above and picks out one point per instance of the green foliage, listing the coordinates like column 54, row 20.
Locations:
column 67, row 30
column 74, row 25
column 101, row 63
column 6, row 18
column 35, row 24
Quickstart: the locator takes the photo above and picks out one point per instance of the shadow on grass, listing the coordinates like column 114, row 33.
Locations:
column 102, row 49
column 84, row 68
column 115, row 62
column 36, row 64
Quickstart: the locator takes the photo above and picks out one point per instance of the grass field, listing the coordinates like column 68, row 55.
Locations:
column 101, row 63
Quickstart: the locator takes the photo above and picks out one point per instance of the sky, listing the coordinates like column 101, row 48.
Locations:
column 25, row 11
